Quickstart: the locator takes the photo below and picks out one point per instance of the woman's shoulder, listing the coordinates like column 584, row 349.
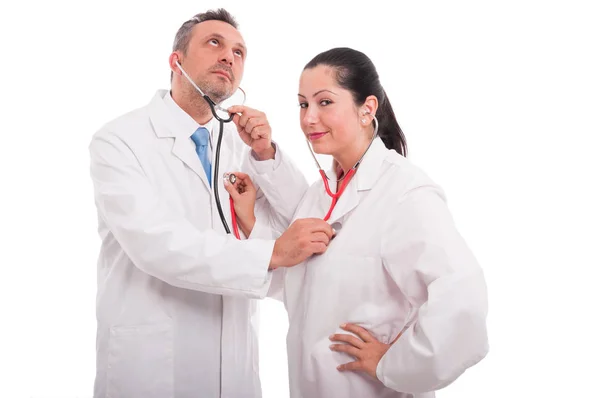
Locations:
column 407, row 176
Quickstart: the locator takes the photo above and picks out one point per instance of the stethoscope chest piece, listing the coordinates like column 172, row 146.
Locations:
column 230, row 177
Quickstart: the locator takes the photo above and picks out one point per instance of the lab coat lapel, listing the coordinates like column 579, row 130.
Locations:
column 346, row 203
column 185, row 152
column 166, row 127
column 365, row 178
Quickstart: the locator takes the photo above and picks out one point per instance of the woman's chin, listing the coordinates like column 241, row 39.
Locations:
column 321, row 149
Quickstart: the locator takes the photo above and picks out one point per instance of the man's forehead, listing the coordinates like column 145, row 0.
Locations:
column 223, row 29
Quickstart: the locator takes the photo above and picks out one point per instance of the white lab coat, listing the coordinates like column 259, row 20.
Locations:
column 396, row 264
column 175, row 309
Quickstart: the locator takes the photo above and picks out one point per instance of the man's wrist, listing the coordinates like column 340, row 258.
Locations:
column 267, row 154
column 274, row 263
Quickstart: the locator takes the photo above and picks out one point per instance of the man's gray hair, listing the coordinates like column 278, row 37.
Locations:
column 182, row 38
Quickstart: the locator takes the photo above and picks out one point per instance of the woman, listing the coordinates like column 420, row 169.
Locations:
column 397, row 305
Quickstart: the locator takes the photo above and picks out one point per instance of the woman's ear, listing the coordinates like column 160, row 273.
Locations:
column 369, row 109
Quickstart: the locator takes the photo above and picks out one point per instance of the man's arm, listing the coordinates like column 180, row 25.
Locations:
column 163, row 243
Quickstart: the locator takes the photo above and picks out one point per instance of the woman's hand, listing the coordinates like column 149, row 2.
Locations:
column 367, row 350
column 243, row 194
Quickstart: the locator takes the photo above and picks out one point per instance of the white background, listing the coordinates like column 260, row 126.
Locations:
column 499, row 101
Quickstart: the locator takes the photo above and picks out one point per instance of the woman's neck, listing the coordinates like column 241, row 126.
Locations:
column 348, row 157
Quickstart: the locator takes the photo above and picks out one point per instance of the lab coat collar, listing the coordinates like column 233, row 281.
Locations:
column 365, row 178
column 168, row 124
column 368, row 172
column 370, row 169
column 169, row 120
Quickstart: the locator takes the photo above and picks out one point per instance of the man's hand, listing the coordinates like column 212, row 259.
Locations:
column 254, row 129
column 301, row 240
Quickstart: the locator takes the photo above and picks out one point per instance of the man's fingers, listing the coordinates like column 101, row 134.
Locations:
column 317, row 247
column 252, row 123
column 318, row 225
column 259, row 132
column 320, row 237
column 243, row 121
column 241, row 131
column 237, row 109
column 236, row 120
column 315, row 225
column 245, row 111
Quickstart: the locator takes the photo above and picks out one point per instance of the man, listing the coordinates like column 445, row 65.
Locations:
column 174, row 303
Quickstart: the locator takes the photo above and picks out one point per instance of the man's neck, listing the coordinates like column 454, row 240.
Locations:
column 192, row 104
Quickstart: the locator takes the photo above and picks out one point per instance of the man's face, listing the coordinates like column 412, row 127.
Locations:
column 215, row 58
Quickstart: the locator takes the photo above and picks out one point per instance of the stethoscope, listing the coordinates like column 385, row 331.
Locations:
column 347, row 177
column 231, row 177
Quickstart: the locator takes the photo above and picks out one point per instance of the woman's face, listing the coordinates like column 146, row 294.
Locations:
column 328, row 115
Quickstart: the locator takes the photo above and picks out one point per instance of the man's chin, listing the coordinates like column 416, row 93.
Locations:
column 217, row 98
column 220, row 96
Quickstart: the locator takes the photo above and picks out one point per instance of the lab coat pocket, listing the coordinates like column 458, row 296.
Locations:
column 140, row 361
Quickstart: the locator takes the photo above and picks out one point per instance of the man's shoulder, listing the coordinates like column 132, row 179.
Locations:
column 126, row 124
column 130, row 122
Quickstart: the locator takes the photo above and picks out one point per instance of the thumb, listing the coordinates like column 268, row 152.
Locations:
column 236, row 120
column 237, row 109
column 231, row 189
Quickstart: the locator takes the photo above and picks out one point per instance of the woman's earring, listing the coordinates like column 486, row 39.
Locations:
column 363, row 121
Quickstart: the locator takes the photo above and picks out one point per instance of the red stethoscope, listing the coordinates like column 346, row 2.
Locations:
column 347, row 177
column 232, row 179
column 334, row 196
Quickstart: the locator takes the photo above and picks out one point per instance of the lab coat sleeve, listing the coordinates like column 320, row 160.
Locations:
column 163, row 243
column 282, row 184
column 263, row 230
column 433, row 267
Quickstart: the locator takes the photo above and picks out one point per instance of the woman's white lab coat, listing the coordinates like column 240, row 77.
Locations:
column 397, row 264
column 174, row 306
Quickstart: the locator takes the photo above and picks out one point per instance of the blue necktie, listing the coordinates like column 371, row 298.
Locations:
column 200, row 138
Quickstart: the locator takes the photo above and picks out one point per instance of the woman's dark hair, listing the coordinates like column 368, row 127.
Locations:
column 356, row 73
